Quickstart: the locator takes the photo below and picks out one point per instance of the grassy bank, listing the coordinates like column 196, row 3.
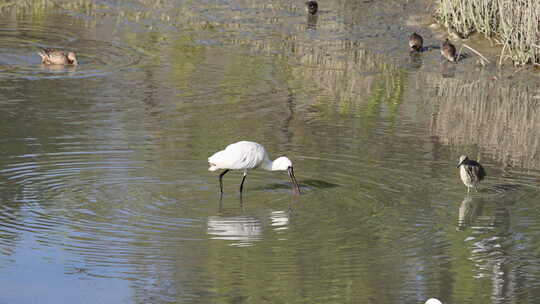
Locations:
column 513, row 24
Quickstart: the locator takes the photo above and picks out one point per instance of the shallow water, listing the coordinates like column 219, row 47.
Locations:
column 105, row 195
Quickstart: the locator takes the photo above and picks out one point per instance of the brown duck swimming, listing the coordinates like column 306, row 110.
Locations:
column 54, row 56
column 416, row 42
column 448, row 51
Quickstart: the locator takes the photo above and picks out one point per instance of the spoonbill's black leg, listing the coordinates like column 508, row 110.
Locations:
column 242, row 183
column 220, row 180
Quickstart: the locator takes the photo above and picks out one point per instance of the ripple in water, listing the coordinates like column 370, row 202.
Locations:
column 105, row 222
column 56, row 171
column 19, row 54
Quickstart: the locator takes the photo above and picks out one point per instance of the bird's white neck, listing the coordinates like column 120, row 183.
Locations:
column 268, row 165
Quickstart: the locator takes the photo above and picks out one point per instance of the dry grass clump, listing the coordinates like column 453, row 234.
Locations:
column 514, row 24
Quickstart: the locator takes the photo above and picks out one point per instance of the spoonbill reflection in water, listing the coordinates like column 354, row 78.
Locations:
column 246, row 155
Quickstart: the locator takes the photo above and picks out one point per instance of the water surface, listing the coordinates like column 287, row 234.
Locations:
column 105, row 195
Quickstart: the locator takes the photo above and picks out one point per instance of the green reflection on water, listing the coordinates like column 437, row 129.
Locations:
column 377, row 222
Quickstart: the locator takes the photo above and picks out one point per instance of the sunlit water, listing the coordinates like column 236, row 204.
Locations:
column 105, row 195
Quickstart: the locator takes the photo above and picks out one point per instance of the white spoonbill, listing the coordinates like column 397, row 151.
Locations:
column 433, row 301
column 245, row 155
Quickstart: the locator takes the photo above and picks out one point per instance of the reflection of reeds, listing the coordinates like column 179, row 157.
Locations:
column 514, row 24
column 168, row 12
column 346, row 74
column 343, row 71
column 502, row 119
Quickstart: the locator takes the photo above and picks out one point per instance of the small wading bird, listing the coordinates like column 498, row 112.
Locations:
column 246, row 155
column 53, row 56
column 471, row 172
column 433, row 301
column 448, row 51
column 312, row 7
column 416, row 42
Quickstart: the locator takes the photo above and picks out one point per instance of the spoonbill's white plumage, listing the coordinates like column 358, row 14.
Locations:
column 433, row 301
column 246, row 155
